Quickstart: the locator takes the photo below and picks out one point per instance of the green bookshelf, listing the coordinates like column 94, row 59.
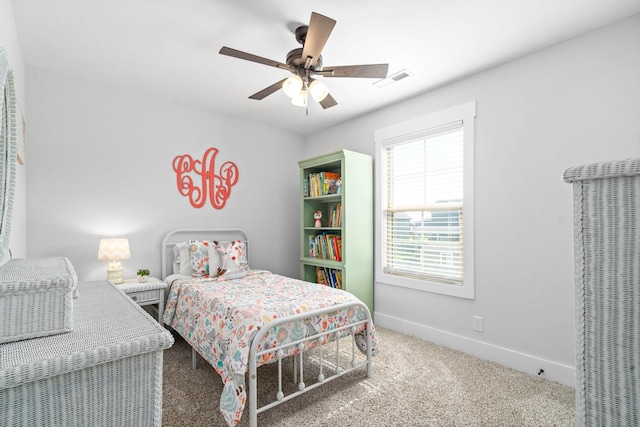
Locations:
column 342, row 248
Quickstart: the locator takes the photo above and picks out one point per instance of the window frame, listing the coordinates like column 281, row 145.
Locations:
column 408, row 130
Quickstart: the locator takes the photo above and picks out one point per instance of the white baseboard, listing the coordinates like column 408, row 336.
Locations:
column 553, row 371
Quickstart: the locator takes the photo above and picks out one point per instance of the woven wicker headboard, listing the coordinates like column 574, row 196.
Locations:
column 210, row 234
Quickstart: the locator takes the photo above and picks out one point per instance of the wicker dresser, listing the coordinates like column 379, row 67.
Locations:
column 36, row 298
column 606, row 205
column 106, row 372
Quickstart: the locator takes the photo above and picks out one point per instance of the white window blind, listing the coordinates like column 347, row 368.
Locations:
column 423, row 205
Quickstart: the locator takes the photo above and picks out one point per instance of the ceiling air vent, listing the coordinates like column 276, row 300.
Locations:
column 396, row 77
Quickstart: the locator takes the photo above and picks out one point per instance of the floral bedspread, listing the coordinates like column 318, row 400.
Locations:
column 220, row 318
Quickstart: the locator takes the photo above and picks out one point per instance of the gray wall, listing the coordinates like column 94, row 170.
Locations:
column 100, row 163
column 574, row 103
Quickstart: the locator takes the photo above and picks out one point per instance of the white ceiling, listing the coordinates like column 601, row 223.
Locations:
column 169, row 48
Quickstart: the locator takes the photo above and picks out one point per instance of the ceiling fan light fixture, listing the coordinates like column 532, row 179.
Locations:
column 319, row 90
column 292, row 86
column 300, row 99
column 306, row 62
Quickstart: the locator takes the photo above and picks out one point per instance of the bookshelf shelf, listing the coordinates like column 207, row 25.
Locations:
column 322, row 262
column 321, row 229
column 326, row 199
column 346, row 235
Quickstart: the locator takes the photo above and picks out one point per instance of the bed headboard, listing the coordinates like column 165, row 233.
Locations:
column 184, row 234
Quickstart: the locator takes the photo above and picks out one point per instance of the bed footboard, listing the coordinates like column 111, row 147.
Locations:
column 279, row 351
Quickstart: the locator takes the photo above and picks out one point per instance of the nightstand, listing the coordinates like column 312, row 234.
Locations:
column 146, row 293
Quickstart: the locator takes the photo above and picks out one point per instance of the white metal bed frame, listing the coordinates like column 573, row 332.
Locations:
column 180, row 235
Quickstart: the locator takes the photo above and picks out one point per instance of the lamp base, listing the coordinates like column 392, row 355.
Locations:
column 114, row 273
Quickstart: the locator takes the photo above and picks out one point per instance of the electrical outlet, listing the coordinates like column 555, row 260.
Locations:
column 478, row 323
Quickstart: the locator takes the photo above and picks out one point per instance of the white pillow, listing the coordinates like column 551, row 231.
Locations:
column 232, row 260
column 182, row 259
column 214, row 259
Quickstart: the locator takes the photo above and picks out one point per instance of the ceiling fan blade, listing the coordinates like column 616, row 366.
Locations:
column 367, row 71
column 320, row 28
column 328, row 102
column 268, row 90
column 253, row 58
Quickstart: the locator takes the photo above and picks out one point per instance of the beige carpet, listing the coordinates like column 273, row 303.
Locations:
column 414, row 383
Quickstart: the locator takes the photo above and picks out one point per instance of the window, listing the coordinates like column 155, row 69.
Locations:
column 424, row 203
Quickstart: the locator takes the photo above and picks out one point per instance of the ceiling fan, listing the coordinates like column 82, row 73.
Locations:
column 306, row 62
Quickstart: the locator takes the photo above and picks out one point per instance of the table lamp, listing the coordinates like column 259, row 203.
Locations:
column 113, row 250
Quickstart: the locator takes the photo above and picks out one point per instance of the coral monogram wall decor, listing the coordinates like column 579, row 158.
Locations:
column 198, row 179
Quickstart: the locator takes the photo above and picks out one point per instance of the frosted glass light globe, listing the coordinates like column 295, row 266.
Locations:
column 300, row 100
column 292, row 86
column 319, row 90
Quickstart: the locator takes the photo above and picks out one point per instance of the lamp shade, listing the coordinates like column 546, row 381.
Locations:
column 113, row 249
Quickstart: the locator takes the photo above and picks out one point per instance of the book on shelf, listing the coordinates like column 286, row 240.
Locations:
column 326, row 246
column 313, row 251
column 330, row 182
column 329, row 277
column 335, row 216
column 320, row 276
column 322, row 184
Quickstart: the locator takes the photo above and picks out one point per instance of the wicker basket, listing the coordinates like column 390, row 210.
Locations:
column 36, row 298
column 107, row 372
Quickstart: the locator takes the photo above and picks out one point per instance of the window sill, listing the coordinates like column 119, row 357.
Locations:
column 466, row 290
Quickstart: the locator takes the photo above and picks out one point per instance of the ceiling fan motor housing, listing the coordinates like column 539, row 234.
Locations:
column 295, row 59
